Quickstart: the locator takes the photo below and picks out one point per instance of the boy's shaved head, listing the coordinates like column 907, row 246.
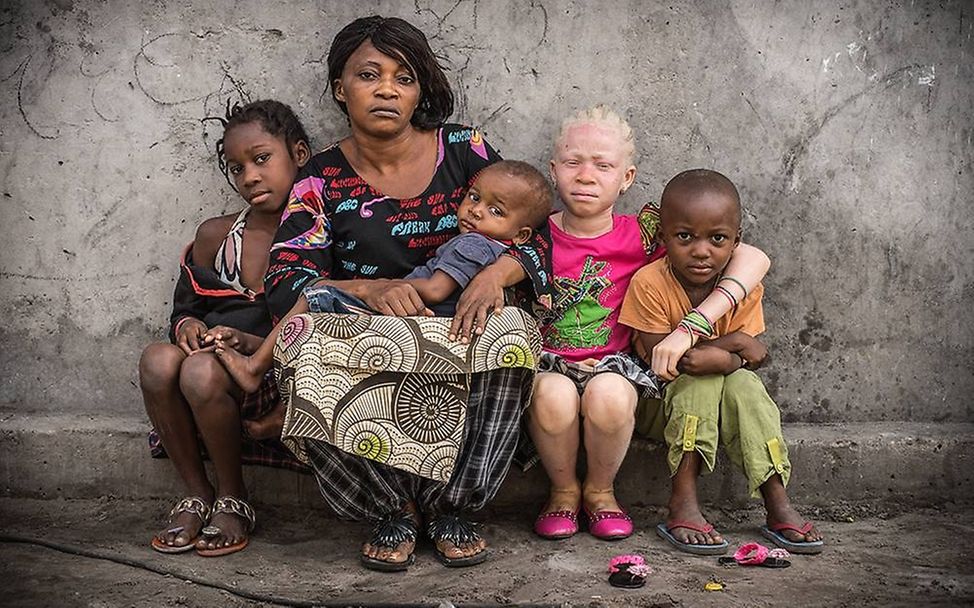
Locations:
column 537, row 206
column 694, row 183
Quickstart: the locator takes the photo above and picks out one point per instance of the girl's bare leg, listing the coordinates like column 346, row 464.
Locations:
column 172, row 418
column 214, row 398
column 609, row 414
column 554, row 427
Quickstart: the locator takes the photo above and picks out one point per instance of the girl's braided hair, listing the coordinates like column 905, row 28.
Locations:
column 275, row 117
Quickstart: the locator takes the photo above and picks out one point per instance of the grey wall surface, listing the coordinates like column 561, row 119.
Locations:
column 847, row 127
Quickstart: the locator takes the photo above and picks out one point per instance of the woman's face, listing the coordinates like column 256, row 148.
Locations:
column 379, row 91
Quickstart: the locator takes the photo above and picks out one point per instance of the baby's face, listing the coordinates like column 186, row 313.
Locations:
column 495, row 206
column 700, row 232
column 591, row 168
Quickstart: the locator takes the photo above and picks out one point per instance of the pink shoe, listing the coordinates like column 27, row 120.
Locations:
column 609, row 525
column 556, row 525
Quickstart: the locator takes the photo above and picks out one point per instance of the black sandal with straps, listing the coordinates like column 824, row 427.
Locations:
column 460, row 532
column 390, row 532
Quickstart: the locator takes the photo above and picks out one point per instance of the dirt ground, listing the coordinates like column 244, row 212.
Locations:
column 875, row 557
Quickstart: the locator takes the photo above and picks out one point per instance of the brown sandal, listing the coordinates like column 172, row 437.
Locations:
column 233, row 506
column 191, row 504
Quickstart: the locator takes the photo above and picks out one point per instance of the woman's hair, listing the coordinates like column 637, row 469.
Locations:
column 404, row 42
column 601, row 115
column 275, row 117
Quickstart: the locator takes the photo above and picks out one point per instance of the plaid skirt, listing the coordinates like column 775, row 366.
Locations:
column 365, row 490
column 264, row 452
column 630, row 367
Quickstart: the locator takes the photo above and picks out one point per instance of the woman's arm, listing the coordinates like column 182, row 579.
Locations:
column 747, row 267
column 484, row 292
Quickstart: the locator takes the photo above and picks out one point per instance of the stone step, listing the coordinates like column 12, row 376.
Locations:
column 46, row 455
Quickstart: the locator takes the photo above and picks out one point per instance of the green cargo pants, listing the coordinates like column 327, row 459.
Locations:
column 697, row 411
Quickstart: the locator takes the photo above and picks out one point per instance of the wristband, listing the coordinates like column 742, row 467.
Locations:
column 735, row 281
column 695, row 323
column 179, row 323
column 727, row 294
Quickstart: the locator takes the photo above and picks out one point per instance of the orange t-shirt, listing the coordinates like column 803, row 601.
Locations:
column 656, row 303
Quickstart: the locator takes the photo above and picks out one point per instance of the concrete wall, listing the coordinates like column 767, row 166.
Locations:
column 847, row 127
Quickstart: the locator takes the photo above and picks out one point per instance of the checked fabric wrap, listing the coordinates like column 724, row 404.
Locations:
column 391, row 389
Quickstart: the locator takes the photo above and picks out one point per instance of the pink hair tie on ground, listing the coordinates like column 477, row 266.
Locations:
column 628, row 571
column 751, row 554
column 632, row 560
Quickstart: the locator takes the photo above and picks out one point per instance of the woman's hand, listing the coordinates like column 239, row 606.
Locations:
column 189, row 337
column 484, row 292
column 394, row 298
column 668, row 352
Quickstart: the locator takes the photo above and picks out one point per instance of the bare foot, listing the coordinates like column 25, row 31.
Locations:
column 465, row 550
column 233, row 529
column 182, row 529
column 688, row 510
column 563, row 499
column 398, row 555
column 401, row 553
column 600, row 500
column 456, row 539
column 241, row 368
column 268, row 426
column 780, row 511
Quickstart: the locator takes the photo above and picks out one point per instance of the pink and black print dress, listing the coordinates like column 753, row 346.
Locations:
column 338, row 226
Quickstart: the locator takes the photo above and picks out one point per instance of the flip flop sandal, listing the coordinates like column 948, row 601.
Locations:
column 233, row 506
column 390, row 532
column 773, row 533
column 755, row 554
column 664, row 530
column 458, row 531
column 191, row 504
column 628, row 571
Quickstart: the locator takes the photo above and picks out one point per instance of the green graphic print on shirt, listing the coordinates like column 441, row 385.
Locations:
column 582, row 324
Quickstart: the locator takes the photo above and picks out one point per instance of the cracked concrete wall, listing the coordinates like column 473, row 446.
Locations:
column 847, row 127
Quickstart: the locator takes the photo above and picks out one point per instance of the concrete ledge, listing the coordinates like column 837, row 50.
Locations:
column 70, row 456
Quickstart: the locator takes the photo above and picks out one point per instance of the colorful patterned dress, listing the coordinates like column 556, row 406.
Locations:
column 338, row 226
column 217, row 296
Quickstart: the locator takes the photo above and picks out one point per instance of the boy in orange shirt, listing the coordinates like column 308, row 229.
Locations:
column 716, row 397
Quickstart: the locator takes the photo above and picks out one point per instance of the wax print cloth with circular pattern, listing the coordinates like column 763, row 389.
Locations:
column 391, row 389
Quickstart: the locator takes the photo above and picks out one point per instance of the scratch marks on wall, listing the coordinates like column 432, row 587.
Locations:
column 798, row 150
column 20, row 102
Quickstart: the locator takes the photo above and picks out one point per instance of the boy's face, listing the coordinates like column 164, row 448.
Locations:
column 495, row 206
column 591, row 168
column 700, row 231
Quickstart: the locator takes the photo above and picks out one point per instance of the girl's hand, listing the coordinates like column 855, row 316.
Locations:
column 668, row 352
column 230, row 337
column 484, row 292
column 704, row 360
column 189, row 338
column 394, row 298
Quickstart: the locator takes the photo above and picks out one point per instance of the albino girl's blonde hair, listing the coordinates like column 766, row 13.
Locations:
column 601, row 115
